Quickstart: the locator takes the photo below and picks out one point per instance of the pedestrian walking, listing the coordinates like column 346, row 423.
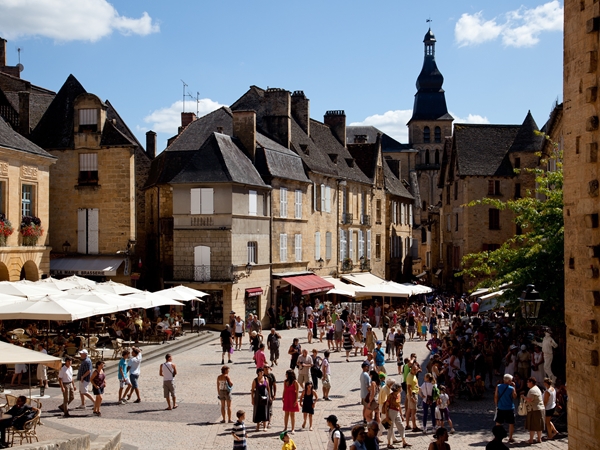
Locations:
column 288, row 443
column 240, row 327
column 168, row 370
column 442, row 411
column 334, row 436
column 295, row 351
column 123, row 375
column 412, row 396
column 270, row 376
column 67, row 386
column 315, row 370
column 496, row 444
column 290, row 399
column 441, row 440
column 273, row 341
column 305, row 363
column 224, row 386
column 239, row 431
column 226, row 344
column 134, row 365
column 42, row 370
column 348, row 340
column 83, row 377
column 426, row 393
column 535, row 408
column 260, row 394
column 98, row 381
column 379, row 357
column 326, row 369
column 550, row 406
column 358, row 438
column 259, row 357
column 393, row 410
column 504, row 398
column 308, row 400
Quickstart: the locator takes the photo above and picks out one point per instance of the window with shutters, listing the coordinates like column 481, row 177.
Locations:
column 410, row 215
column 494, row 187
column 378, row 211
column 27, row 200
column 361, row 244
column 87, row 231
column 88, row 120
column 283, row 247
column 298, row 204
column 342, row 244
column 202, row 201
column 494, row 216
column 368, row 244
column 253, row 252
column 327, row 199
column 317, row 245
column 378, row 246
column 298, row 246
column 351, row 244
column 88, row 168
column 328, row 242
column 202, row 263
column 252, row 203
column 283, row 202
column 517, row 163
column 402, row 213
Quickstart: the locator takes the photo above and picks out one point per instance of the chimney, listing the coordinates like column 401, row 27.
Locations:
column 336, row 120
column 360, row 138
column 277, row 120
column 2, row 52
column 186, row 119
column 24, row 128
column 244, row 129
column 151, row 144
column 301, row 110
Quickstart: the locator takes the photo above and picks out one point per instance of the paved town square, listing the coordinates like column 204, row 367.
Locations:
column 195, row 424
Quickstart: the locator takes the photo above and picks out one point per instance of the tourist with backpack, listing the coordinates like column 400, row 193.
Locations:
column 336, row 439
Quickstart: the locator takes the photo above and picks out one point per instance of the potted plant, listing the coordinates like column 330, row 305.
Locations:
column 6, row 229
column 31, row 230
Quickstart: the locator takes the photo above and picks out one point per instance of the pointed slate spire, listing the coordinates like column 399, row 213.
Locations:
column 527, row 140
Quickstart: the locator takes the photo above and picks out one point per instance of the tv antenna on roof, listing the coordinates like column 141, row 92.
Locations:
column 19, row 65
column 184, row 86
column 197, row 98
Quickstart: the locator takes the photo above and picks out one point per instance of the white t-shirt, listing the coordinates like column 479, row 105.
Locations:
column 167, row 371
column 308, row 310
column 239, row 326
column 134, row 364
column 331, row 436
column 444, row 401
column 66, row 374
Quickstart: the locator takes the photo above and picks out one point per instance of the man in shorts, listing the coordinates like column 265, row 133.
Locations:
column 504, row 397
column 365, row 382
column 412, row 395
column 134, row 371
column 124, row 382
column 83, row 377
column 273, row 341
column 168, row 370
column 339, row 331
column 226, row 343
column 305, row 362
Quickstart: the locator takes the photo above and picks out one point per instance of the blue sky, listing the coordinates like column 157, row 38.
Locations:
column 499, row 59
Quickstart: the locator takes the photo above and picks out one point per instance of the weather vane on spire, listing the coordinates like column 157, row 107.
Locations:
column 429, row 20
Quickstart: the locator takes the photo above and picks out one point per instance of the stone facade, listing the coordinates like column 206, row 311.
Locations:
column 581, row 134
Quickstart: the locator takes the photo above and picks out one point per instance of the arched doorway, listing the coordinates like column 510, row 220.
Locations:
column 30, row 272
column 4, row 275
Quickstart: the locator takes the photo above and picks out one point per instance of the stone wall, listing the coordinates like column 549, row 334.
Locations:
column 581, row 209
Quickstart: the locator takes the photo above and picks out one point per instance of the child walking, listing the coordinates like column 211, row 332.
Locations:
column 308, row 399
column 288, row 443
column 239, row 431
column 442, row 413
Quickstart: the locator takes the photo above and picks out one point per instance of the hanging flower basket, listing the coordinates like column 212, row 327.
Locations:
column 6, row 229
column 31, row 230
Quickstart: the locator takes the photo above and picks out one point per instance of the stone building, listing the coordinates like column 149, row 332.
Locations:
column 95, row 187
column 480, row 161
column 24, row 186
column 581, row 134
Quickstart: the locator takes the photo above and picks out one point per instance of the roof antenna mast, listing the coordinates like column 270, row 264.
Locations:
column 184, row 86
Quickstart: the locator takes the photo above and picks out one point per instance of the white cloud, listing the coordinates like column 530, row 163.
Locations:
column 392, row 123
column 519, row 28
column 471, row 118
column 69, row 20
column 167, row 120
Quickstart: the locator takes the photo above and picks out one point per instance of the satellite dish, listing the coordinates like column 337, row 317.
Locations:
column 20, row 67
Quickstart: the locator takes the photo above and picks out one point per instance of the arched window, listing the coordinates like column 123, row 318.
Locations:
column 424, row 205
column 426, row 134
column 437, row 156
column 427, row 156
column 438, row 134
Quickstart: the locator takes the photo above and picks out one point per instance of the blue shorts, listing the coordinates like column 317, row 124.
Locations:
column 134, row 380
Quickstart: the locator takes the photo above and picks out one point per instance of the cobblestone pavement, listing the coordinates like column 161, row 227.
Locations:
column 195, row 423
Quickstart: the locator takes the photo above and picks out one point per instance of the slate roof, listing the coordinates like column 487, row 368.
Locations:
column 55, row 128
column 166, row 166
column 197, row 132
column 274, row 160
column 527, row 141
column 219, row 160
column 113, row 117
column 393, row 185
column 12, row 140
column 365, row 156
column 482, row 150
column 39, row 98
column 388, row 143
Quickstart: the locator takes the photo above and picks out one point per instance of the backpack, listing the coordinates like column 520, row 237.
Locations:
column 342, row 444
column 435, row 393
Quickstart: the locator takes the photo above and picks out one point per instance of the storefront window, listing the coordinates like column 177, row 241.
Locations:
column 212, row 308
column 252, row 304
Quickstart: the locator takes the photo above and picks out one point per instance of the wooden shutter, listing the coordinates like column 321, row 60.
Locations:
column 92, row 235
column 298, row 204
column 342, row 244
column 82, row 231
column 328, row 245
column 206, row 201
column 327, row 199
column 283, row 202
column 195, row 201
column 368, row 244
column 317, row 245
column 252, row 207
column 283, row 247
column 351, row 244
column 361, row 244
column 298, row 247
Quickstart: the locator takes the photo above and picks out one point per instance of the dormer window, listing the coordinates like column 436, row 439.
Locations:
column 88, row 120
column 333, row 157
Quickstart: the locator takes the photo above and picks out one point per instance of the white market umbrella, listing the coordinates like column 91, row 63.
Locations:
column 80, row 281
column 116, row 288
column 14, row 354
column 52, row 307
column 386, row 289
column 113, row 302
column 47, row 287
column 6, row 299
column 182, row 293
column 418, row 288
column 61, row 285
column 151, row 299
column 22, row 290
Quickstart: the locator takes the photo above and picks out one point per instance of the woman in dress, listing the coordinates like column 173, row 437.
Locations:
column 534, row 421
column 348, row 342
column 290, row 399
column 550, row 407
column 537, row 365
column 224, row 385
column 261, row 396
column 308, row 399
column 370, row 339
column 98, row 380
column 511, row 360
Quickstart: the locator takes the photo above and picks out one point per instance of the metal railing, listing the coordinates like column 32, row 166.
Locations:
column 347, row 218
column 365, row 219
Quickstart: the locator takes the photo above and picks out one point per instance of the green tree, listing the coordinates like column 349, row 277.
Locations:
column 537, row 255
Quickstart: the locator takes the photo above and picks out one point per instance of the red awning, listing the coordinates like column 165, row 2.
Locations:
column 309, row 284
column 254, row 292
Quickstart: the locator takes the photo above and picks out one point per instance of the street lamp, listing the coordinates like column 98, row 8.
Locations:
column 530, row 303
column 66, row 247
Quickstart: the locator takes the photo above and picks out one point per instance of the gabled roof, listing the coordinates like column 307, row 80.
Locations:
column 365, row 156
column 55, row 128
column 12, row 140
column 274, row 160
column 388, row 143
column 527, row 140
column 393, row 185
column 39, row 97
column 197, row 132
column 482, row 150
column 113, row 117
column 219, row 160
column 166, row 166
